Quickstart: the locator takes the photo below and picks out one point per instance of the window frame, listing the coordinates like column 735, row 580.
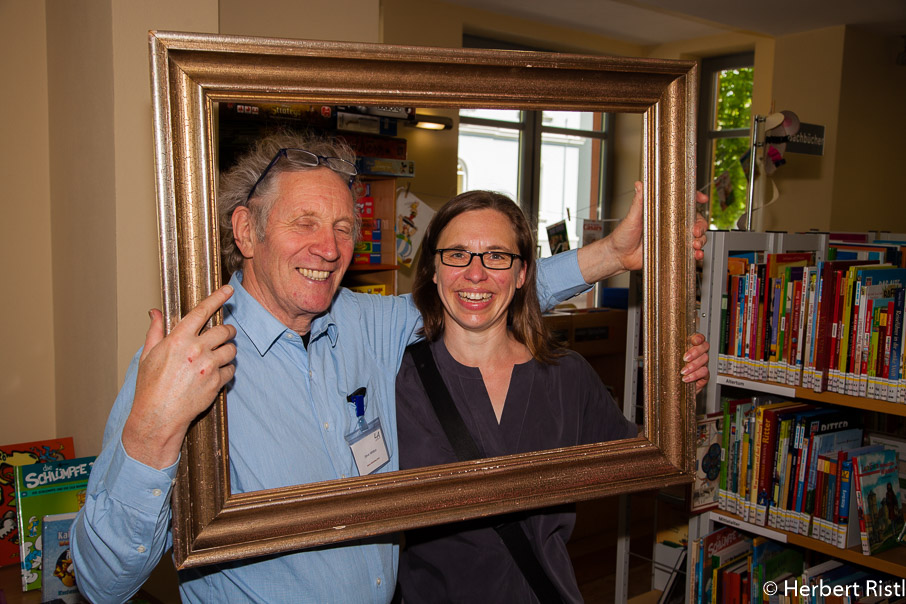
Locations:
column 707, row 113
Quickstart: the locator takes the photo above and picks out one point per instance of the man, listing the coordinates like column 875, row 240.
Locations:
column 293, row 348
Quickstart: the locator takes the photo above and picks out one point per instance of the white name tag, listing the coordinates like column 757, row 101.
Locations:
column 368, row 448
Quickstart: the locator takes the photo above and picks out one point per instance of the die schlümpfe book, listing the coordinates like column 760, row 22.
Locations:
column 22, row 454
column 42, row 489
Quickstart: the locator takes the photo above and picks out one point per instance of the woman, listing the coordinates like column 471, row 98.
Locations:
column 516, row 391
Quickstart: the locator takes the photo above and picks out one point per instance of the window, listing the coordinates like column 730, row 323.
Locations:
column 551, row 162
column 724, row 138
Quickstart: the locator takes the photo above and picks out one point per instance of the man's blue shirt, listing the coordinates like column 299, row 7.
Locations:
column 287, row 419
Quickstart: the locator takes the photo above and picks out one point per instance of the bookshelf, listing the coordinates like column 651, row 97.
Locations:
column 382, row 274
column 714, row 286
column 892, row 561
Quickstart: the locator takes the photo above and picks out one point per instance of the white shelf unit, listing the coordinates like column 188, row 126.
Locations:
column 714, row 283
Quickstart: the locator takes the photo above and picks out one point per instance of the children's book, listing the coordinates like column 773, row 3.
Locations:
column 58, row 582
column 709, row 452
column 22, row 454
column 877, row 489
column 43, row 489
column 717, row 548
column 770, row 561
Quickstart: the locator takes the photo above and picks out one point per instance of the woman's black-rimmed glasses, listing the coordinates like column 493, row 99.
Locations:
column 496, row 261
column 302, row 157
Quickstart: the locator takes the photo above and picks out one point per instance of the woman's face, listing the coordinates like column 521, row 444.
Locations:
column 476, row 298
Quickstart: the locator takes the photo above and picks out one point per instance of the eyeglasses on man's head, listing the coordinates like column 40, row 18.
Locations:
column 494, row 260
column 301, row 157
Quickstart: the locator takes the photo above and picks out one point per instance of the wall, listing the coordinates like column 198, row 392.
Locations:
column 869, row 186
column 339, row 20
column 810, row 87
column 26, row 306
column 845, row 79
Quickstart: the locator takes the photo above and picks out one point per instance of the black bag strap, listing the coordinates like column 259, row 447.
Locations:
column 512, row 533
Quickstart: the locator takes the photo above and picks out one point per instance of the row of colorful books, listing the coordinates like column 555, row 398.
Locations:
column 731, row 566
column 43, row 489
column 833, row 325
column 811, row 471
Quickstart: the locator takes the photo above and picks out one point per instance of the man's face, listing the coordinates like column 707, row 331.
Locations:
column 296, row 269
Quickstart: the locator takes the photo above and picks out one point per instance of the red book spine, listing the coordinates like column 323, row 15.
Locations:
column 797, row 311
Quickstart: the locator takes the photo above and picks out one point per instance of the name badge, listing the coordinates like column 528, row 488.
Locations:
column 368, row 447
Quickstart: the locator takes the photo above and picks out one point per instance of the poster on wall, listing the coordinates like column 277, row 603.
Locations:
column 412, row 218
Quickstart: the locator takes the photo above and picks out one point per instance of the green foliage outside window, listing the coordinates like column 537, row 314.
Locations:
column 734, row 110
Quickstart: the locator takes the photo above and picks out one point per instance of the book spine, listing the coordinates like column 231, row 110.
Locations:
column 837, row 336
column 858, row 330
column 780, row 467
column 896, row 344
column 796, row 445
column 796, row 329
column 803, row 323
column 846, row 469
column 724, row 325
column 724, row 457
column 802, row 481
column 828, row 358
column 781, row 327
column 845, row 332
column 732, row 312
column 757, row 450
column 821, row 324
column 814, row 526
column 761, row 352
column 857, row 487
column 814, row 317
column 868, row 305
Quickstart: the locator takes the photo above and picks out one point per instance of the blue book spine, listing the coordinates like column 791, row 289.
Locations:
column 896, row 341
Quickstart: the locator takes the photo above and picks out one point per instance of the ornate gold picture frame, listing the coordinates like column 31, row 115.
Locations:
column 193, row 72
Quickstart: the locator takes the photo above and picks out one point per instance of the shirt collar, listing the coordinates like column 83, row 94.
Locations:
column 261, row 327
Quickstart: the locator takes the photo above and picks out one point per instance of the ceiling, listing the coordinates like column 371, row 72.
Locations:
column 649, row 22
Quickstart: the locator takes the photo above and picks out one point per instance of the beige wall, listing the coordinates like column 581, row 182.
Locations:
column 338, row 20
column 26, row 306
column 869, row 187
column 810, row 87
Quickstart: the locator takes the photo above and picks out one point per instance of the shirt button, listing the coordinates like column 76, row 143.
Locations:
column 326, row 426
column 378, row 581
column 289, row 336
column 141, row 549
column 156, row 492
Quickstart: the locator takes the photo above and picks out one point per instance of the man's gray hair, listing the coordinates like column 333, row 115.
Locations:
column 236, row 183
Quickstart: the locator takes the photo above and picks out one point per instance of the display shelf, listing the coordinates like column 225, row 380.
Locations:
column 11, row 587
column 369, row 268
column 383, row 191
column 892, row 561
column 831, row 398
column 714, row 284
